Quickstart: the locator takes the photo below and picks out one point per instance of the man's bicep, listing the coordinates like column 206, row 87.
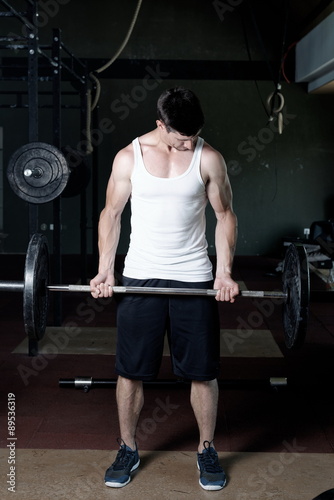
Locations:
column 219, row 189
column 119, row 184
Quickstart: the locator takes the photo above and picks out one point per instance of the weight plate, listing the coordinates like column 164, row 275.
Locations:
column 296, row 284
column 35, row 293
column 38, row 172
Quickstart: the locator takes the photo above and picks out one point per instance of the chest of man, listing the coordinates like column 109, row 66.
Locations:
column 166, row 165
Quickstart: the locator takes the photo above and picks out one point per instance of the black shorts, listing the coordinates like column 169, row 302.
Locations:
column 191, row 323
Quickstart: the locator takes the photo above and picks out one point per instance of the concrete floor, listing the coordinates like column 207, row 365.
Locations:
column 78, row 475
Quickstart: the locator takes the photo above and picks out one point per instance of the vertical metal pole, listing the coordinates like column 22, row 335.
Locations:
column 95, row 195
column 32, row 79
column 33, row 98
column 83, row 195
column 56, row 56
column 56, row 88
column 83, row 236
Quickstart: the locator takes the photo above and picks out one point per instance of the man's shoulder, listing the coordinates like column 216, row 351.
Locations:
column 144, row 140
column 212, row 163
column 123, row 161
column 125, row 153
column 211, row 155
column 148, row 139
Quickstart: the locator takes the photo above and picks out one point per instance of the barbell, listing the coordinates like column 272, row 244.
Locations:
column 36, row 288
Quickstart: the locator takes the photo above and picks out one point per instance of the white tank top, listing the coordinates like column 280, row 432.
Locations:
column 168, row 223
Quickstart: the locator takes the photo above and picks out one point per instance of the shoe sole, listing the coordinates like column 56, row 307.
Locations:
column 211, row 487
column 113, row 484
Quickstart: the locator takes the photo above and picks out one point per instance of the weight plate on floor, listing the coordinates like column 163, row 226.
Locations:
column 38, row 172
column 35, row 294
column 296, row 284
column 326, row 495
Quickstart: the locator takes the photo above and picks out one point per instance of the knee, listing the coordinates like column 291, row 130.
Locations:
column 129, row 382
column 205, row 383
column 204, row 387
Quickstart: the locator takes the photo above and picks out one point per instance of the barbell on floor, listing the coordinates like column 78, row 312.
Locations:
column 36, row 288
column 88, row 383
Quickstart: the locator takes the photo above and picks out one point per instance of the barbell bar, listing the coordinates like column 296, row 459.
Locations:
column 36, row 288
column 88, row 383
column 18, row 286
column 167, row 291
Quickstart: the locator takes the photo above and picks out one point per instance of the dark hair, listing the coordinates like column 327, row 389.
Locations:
column 180, row 110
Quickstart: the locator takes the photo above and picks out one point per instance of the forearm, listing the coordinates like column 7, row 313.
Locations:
column 225, row 241
column 109, row 232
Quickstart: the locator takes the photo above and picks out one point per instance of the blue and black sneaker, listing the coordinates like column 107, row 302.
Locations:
column 212, row 476
column 119, row 473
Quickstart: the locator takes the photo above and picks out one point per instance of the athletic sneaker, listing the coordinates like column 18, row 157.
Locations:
column 119, row 473
column 212, row 476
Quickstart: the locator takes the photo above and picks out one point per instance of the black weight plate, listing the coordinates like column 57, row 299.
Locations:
column 296, row 284
column 326, row 495
column 35, row 294
column 38, row 172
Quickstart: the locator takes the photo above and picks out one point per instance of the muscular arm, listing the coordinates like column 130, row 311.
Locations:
column 118, row 192
column 220, row 196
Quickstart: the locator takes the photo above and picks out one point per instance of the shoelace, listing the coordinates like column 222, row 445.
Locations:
column 123, row 456
column 122, row 459
column 209, row 459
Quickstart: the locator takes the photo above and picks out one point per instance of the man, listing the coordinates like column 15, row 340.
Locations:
column 169, row 173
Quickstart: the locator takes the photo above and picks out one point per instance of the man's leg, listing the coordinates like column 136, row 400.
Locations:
column 130, row 400
column 204, row 401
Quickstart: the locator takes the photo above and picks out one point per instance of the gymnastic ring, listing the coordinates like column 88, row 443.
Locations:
column 280, row 107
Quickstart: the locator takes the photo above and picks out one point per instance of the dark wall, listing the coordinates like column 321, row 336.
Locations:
column 281, row 183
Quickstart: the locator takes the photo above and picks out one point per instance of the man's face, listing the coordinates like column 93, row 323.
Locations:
column 176, row 140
